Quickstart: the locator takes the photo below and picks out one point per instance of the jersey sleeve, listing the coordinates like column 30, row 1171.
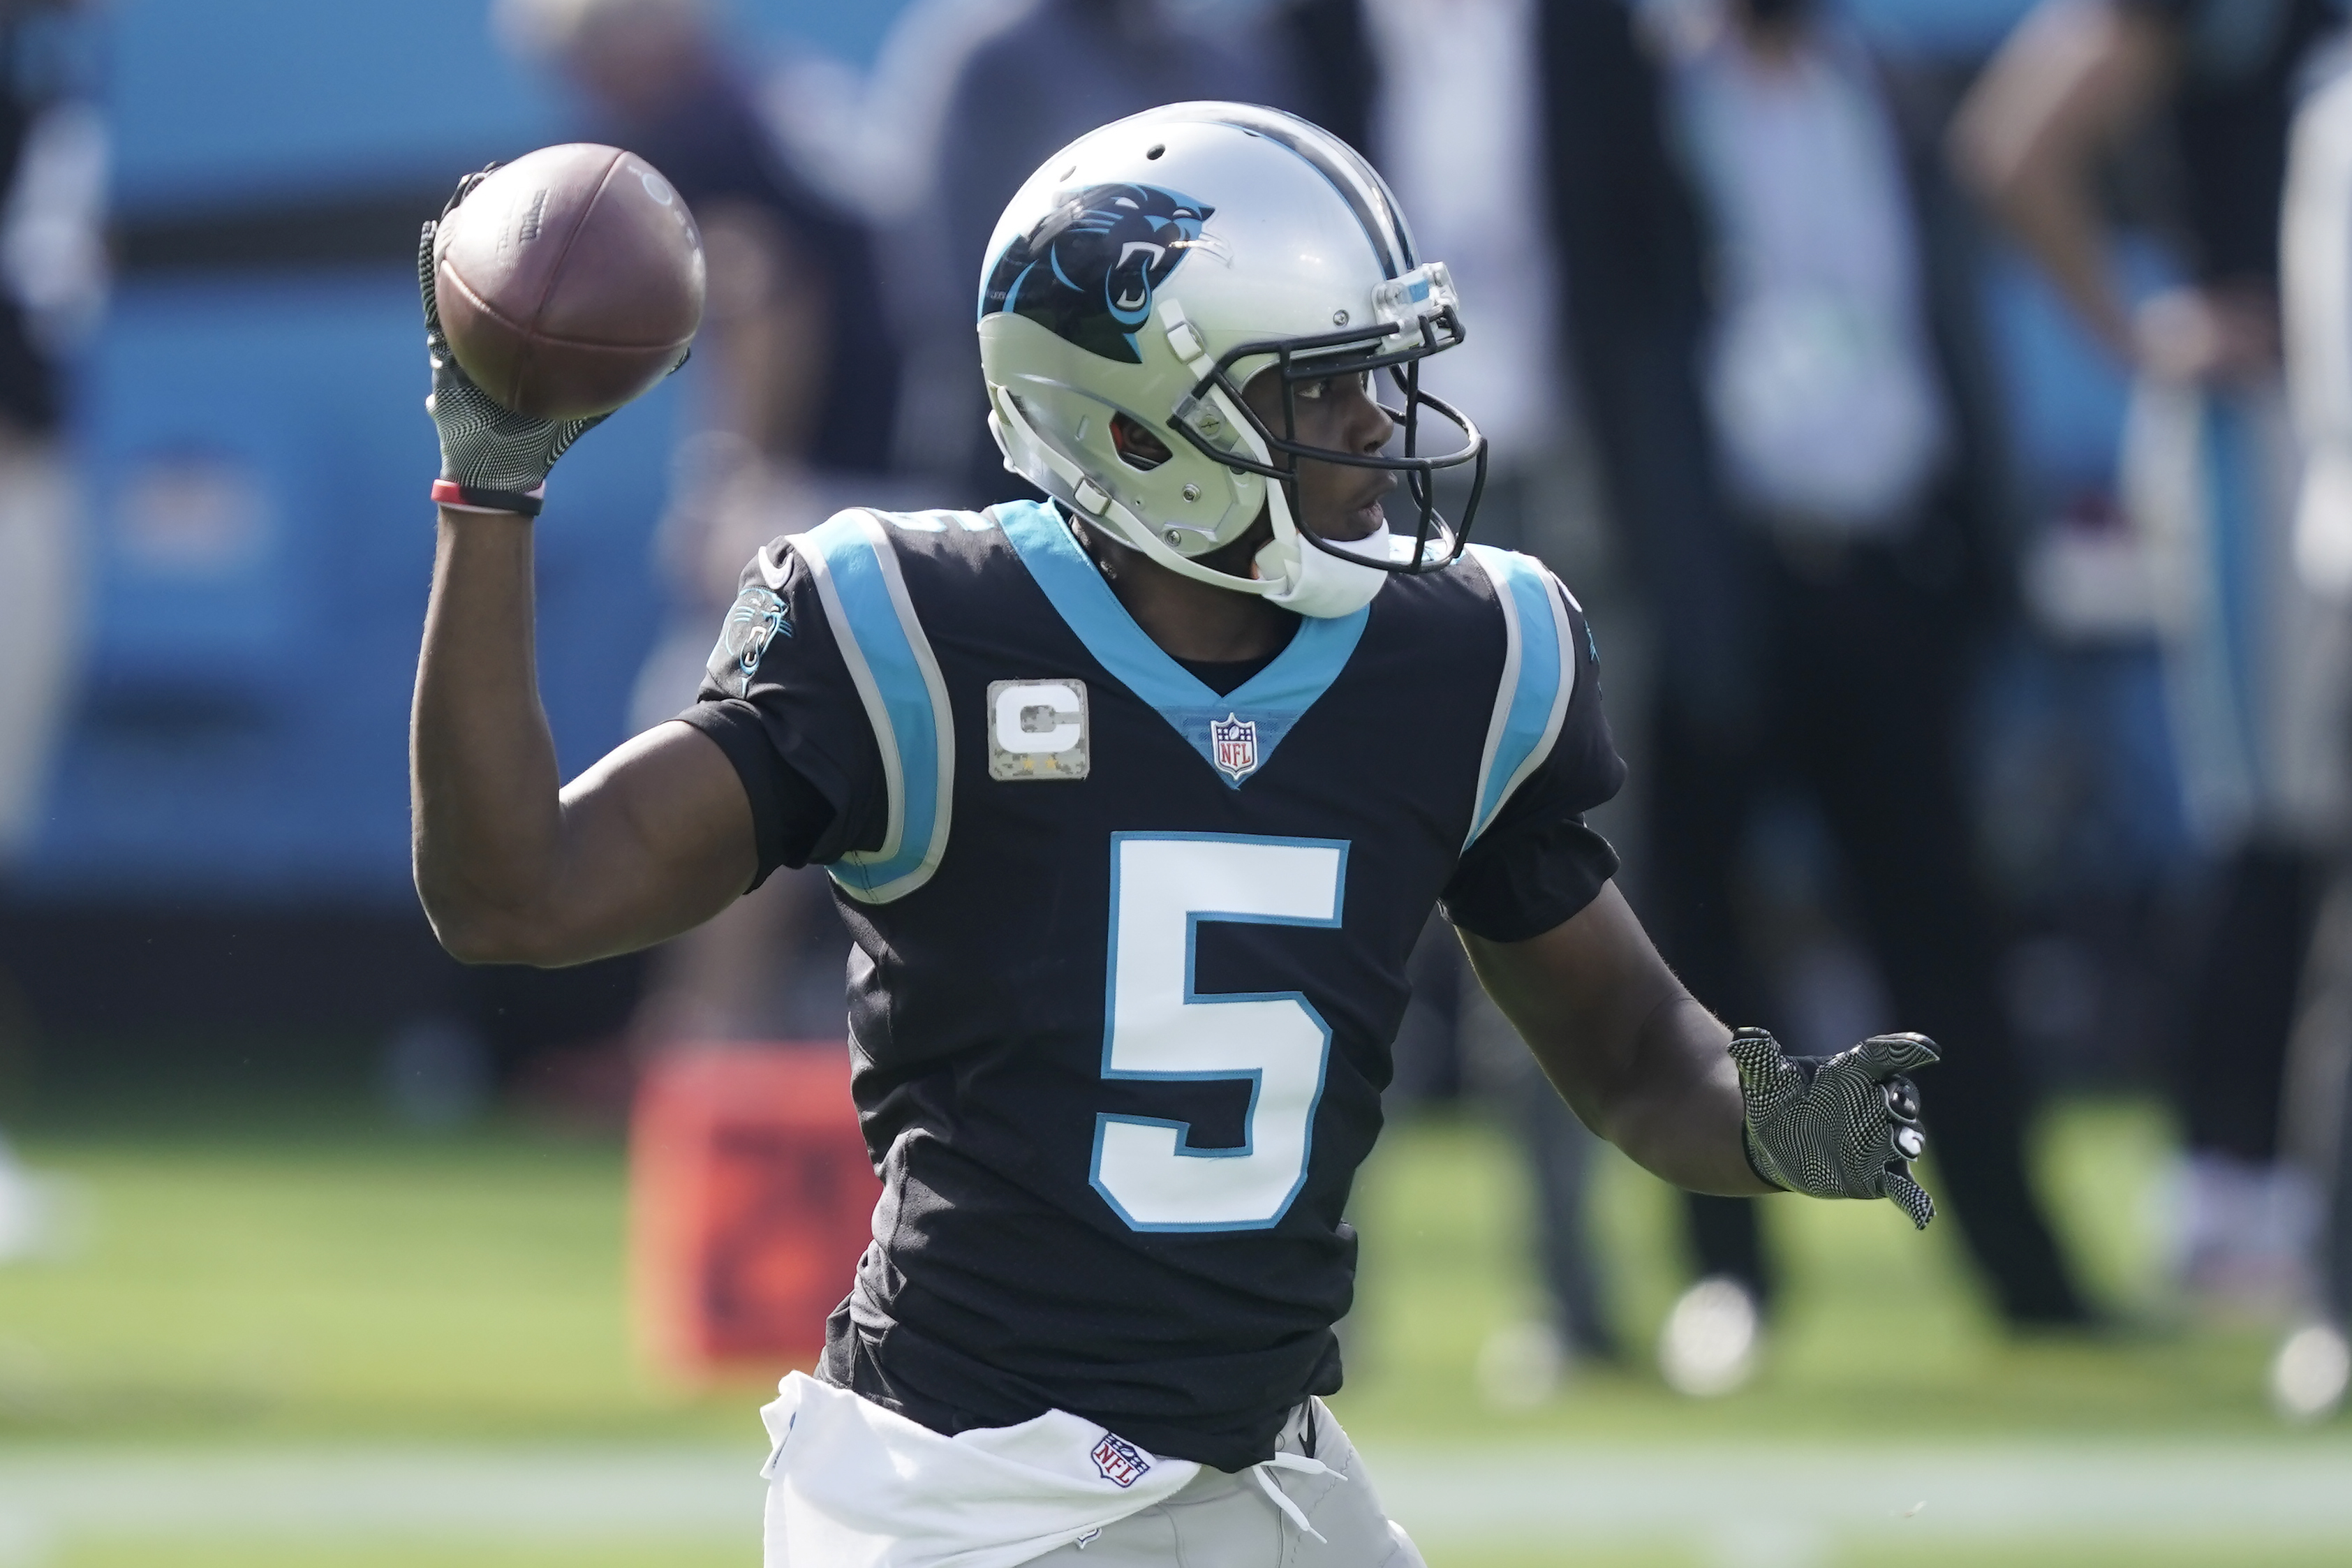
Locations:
column 778, row 699
column 1537, row 862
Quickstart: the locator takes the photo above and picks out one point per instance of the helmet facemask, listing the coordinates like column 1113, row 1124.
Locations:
column 1276, row 454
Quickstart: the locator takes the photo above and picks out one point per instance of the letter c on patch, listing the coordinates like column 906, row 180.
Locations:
column 1015, row 703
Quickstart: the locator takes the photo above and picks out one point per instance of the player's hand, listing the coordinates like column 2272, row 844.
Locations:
column 1845, row 1126
column 492, row 458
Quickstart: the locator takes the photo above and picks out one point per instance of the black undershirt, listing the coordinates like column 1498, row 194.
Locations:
column 1224, row 677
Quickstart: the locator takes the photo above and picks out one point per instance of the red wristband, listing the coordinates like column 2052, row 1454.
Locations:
column 474, row 497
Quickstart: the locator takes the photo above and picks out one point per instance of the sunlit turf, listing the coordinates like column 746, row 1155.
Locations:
column 309, row 1273
column 324, row 1276
column 1882, row 1330
column 321, row 1274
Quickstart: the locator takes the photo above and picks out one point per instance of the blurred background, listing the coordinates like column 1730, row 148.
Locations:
column 1944, row 408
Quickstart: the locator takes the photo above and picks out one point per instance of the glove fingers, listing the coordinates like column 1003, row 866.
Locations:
column 567, row 434
column 465, row 185
column 1909, row 1196
column 1906, row 1141
column 425, row 258
column 1882, row 1055
column 424, row 288
column 1763, row 1070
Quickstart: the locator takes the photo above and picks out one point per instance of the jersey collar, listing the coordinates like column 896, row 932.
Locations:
column 1262, row 711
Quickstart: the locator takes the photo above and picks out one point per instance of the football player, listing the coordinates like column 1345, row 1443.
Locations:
column 1134, row 801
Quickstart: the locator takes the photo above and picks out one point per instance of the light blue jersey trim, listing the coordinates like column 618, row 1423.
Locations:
column 1538, row 677
column 1276, row 698
column 855, row 569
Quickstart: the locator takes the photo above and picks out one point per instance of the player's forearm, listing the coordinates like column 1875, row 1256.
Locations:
column 1642, row 1063
column 1676, row 1112
column 486, row 824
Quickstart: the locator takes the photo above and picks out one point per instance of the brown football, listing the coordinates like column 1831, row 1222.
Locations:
column 570, row 281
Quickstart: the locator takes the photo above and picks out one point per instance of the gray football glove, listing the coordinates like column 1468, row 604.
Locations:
column 1845, row 1126
column 492, row 458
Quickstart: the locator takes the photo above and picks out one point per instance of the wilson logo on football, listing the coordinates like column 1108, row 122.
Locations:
column 1121, row 1461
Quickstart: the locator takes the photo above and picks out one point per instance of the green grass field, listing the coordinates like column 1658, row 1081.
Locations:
column 1874, row 1316
column 308, row 1281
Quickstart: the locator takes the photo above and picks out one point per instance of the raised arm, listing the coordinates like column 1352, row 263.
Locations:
column 654, row 839
column 649, row 842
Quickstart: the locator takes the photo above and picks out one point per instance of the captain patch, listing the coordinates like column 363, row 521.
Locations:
column 1036, row 730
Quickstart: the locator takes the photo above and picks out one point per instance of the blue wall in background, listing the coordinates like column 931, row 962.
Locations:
column 254, row 458
column 214, row 99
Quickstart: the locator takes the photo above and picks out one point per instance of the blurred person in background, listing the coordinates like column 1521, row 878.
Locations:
column 796, row 384
column 1776, row 373
column 2256, row 662
column 2309, row 1375
column 1822, row 580
column 1460, row 135
column 53, row 282
column 53, row 285
column 1008, row 81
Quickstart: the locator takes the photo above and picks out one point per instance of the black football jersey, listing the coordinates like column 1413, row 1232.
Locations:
column 1130, row 954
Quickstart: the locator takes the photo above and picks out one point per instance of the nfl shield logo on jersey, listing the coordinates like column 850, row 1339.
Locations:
column 1235, row 740
column 1121, row 1461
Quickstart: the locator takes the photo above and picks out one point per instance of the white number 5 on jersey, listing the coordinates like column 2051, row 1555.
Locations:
column 1162, row 887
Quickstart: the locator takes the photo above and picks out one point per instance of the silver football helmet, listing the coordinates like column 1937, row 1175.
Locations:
column 1152, row 269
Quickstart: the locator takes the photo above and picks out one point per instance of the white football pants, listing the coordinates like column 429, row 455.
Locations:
column 851, row 1485
column 1230, row 1521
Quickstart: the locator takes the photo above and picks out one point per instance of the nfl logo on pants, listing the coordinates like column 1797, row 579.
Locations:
column 1235, row 740
column 1121, row 1461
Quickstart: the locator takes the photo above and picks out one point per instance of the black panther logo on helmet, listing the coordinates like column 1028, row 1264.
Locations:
column 1087, row 273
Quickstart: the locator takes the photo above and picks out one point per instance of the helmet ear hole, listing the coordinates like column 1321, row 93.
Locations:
column 1137, row 447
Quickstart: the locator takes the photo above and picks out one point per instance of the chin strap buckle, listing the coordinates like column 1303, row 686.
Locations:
column 1184, row 338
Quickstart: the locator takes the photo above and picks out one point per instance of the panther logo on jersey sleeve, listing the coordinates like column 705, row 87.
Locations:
column 1088, row 271
column 758, row 618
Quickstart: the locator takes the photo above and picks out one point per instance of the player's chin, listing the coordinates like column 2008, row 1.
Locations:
column 1342, row 526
